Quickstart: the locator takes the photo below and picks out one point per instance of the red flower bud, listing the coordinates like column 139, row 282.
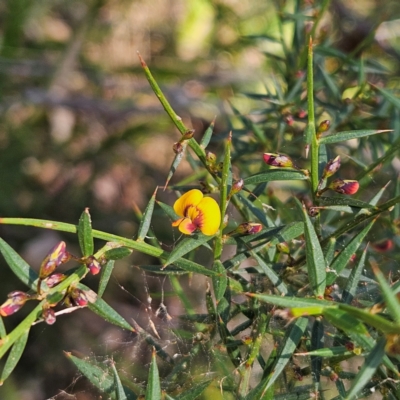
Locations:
column 49, row 316
column 78, row 296
column 16, row 300
column 57, row 255
column 344, row 186
column 55, row 279
column 93, row 265
column 331, row 167
column 247, row 228
column 278, row 160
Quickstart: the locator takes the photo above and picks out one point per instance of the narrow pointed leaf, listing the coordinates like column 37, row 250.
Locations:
column 3, row 331
column 14, row 356
column 348, row 135
column 270, row 274
column 289, row 344
column 290, row 302
column 341, row 260
column 367, row 370
column 187, row 245
column 85, row 234
column 205, row 140
column 392, row 303
column 316, row 264
column 353, row 280
column 275, row 175
column 344, row 201
column 106, row 272
column 194, row 392
column 153, row 391
column 119, row 390
column 99, row 377
column 19, row 266
column 101, row 308
column 117, row 253
column 328, row 352
column 220, row 281
column 169, row 211
column 146, row 218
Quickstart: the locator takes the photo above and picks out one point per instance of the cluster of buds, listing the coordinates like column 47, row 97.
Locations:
column 57, row 255
column 342, row 186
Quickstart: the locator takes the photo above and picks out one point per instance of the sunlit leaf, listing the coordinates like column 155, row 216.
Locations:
column 153, row 390
column 85, row 234
column 348, row 135
column 274, row 175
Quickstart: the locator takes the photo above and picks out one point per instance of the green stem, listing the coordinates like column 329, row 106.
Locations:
column 311, row 122
column 132, row 244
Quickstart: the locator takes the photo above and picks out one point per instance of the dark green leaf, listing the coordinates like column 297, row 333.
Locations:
column 106, row 272
column 20, row 268
column 14, row 356
column 220, row 281
column 146, row 218
column 316, row 264
column 341, row 260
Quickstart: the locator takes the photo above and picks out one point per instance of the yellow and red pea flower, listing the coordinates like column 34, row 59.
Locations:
column 197, row 212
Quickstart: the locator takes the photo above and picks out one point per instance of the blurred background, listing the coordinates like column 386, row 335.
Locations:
column 80, row 127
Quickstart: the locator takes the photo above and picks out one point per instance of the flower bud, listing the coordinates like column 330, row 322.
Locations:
column 289, row 119
column 301, row 113
column 324, row 126
column 177, row 147
column 57, row 255
column 93, row 265
column 211, row 158
column 49, row 316
column 16, row 300
column 188, row 134
column 247, row 228
column 278, row 160
column 78, row 297
column 313, row 211
column 345, row 186
column 237, row 187
column 55, row 279
column 331, row 167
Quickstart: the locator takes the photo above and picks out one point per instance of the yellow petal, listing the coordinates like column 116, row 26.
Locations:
column 190, row 198
column 210, row 216
column 187, row 226
column 177, row 222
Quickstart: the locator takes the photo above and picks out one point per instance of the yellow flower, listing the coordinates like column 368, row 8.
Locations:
column 197, row 212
